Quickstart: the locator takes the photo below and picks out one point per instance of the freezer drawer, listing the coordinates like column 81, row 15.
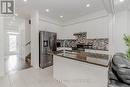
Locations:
column 45, row 61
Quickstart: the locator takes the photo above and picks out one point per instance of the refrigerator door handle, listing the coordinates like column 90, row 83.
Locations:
column 49, row 43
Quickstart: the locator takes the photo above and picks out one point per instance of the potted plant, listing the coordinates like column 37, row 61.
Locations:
column 127, row 41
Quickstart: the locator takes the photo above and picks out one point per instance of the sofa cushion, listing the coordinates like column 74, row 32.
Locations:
column 112, row 76
column 117, row 84
column 121, row 66
column 120, row 60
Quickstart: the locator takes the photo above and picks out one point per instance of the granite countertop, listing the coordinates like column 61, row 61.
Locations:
column 89, row 54
column 93, row 58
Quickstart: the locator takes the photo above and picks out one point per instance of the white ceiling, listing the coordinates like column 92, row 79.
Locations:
column 121, row 6
column 70, row 9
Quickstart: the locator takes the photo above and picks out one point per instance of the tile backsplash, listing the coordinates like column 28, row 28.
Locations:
column 67, row 42
column 81, row 37
column 97, row 44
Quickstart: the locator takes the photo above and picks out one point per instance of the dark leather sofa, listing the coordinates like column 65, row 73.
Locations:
column 119, row 71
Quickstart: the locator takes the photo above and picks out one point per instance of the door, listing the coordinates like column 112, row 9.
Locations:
column 13, row 42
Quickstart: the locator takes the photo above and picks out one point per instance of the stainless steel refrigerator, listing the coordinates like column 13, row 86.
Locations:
column 47, row 45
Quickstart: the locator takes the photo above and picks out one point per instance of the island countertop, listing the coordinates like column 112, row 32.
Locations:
column 93, row 58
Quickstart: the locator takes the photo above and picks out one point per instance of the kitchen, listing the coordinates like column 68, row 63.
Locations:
column 67, row 67
column 69, row 63
column 77, row 49
column 86, row 50
column 69, row 43
column 89, row 61
column 96, row 35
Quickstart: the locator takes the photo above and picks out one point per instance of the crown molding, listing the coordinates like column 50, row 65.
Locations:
column 49, row 20
column 85, row 20
column 90, row 17
column 94, row 16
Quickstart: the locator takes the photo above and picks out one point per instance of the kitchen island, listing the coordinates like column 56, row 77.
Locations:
column 74, row 72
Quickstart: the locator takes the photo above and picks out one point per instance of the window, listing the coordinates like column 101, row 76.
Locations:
column 12, row 43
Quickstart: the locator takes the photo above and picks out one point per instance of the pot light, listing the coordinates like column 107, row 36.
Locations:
column 25, row 0
column 88, row 5
column 61, row 16
column 122, row 0
column 47, row 10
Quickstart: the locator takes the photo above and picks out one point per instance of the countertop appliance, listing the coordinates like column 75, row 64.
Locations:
column 80, row 47
column 47, row 45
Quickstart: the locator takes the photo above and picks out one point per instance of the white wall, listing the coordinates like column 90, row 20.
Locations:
column 95, row 28
column 34, row 39
column 111, row 24
column 45, row 26
column 119, row 29
column 1, row 47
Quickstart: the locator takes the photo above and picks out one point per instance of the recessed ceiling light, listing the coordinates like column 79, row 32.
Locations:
column 61, row 16
column 88, row 5
column 122, row 0
column 47, row 10
column 25, row 0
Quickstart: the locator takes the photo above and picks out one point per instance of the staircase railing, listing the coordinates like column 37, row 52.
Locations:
column 28, row 43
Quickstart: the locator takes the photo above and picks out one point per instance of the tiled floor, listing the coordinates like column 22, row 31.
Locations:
column 14, row 63
column 31, row 78
column 67, row 74
column 74, row 73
